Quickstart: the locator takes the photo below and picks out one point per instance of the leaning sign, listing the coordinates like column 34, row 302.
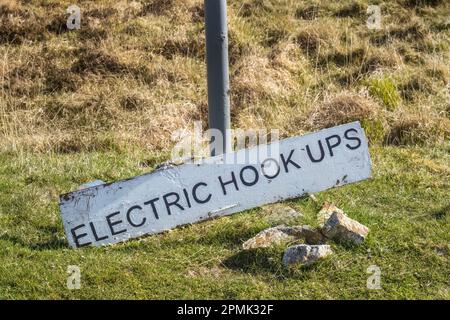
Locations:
column 179, row 195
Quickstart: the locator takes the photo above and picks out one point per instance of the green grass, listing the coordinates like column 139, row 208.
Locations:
column 406, row 206
column 385, row 90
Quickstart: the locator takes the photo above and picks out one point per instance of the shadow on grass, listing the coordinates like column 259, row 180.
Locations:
column 254, row 261
column 267, row 261
column 441, row 213
column 228, row 237
column 53, row 243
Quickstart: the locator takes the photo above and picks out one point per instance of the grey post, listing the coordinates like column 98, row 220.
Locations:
column 218, row 74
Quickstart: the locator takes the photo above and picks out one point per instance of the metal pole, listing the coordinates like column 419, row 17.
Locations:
column 218, row 74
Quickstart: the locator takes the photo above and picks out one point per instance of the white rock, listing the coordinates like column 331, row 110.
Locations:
column 305, row 254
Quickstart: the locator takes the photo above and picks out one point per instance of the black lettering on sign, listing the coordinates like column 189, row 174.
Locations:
column 172, row 203
column 94, row 232
column 322, row 153
column 186, row 196
column 136, row 225
column 346, row 135
column 332, row 146
column 286, row 162
column 77, row 237
column 255, row 179
column 111, row 224
column 152, row 203
column 195, row 196
column 263, row 168
column 233, row 181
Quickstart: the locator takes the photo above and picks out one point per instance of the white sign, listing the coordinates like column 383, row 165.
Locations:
column 174, row 196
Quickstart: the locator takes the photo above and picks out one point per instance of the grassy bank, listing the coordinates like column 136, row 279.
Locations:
column 135, row 71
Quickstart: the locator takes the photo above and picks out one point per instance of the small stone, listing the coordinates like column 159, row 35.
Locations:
column 313, row 198
column 276, row 214
column 325, row 213
column 267, row 238
column 341, row 228
column 305, row 254
column 306, row 232
column 312, row 236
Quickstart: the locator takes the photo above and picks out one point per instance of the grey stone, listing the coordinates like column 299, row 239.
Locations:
column 305, row 254
column 309, row 234
column 278, row 213
column 325, row 213
column 341, row 228
column 267, row 238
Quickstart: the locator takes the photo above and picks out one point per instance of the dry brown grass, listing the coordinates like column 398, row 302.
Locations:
column 420, row 3
column 344, row 108
column 415, row 129
column 8, row 7
column 317, row 36
column 135, row 71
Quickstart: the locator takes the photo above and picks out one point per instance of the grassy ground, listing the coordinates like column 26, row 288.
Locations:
column 405, row 205
column 103, row 101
